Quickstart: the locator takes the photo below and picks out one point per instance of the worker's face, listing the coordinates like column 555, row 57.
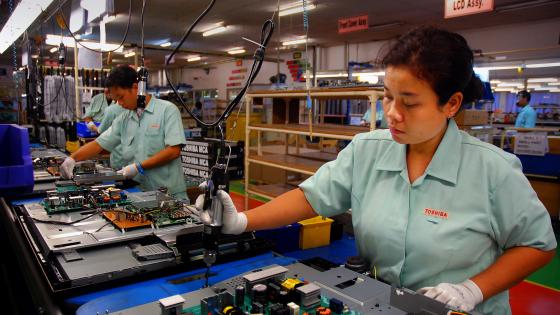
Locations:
column 126, row 97
column 521, row 101
column 411, row 107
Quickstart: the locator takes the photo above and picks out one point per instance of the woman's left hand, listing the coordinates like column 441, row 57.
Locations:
column 464, row 296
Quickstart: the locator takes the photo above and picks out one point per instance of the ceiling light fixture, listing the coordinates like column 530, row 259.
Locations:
column 294, row 42
column 194, row 58
column 166, row 44
column 236, row 51
column 54, row 40
column 543, row 65
column 52, row 50
column 553, row 83
column 130, row 54
column 21, row 18
column 490, row 68
column 520, row 85
column 296, row 7
column 542, row 80
column 214, row 31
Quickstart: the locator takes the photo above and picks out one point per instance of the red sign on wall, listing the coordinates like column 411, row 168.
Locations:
column 352, row 24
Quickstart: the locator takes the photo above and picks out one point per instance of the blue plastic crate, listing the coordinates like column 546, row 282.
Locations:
column 16, row 167
column 286, row 239
column 83, row 132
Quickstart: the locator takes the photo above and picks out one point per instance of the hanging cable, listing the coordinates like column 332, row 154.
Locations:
column 266, row 33
column 142, row 72
column 309, row 104
column 92, row 49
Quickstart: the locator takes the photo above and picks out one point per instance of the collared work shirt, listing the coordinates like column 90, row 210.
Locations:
column 472, row 203
column 527, row 118
column 111, row 112
column 159, row 126
column 97, row 107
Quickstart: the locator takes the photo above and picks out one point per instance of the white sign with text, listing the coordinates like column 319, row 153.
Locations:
column 455, row 8
column 531, row 143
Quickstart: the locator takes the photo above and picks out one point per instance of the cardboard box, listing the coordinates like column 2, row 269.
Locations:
column 470, row 117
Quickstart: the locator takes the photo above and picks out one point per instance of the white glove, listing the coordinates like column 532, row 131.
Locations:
column 234, row 222
column 91, row 126
column 67, row 168
column 464, row 296
column 129, row 171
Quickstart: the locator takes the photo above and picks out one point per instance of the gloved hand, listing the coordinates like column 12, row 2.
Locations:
column 91, row 126
column 67, row 168
column 129, row 171
column 234, row 222
column 464, row 296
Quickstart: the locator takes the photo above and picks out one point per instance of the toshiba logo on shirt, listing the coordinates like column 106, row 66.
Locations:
column 442, row 214
column 154, row 126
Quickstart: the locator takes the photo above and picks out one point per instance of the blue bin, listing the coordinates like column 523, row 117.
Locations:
column 83, row 132
column 286, row 239
column 16, row 167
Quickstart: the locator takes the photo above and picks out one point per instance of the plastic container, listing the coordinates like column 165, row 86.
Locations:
column 16, row 167
column 83, row 132
column 286, row 238
column 315, row 232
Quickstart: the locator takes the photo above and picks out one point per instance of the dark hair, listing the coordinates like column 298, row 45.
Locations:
column 198, row 105
column 525, row 94
column 442, row 58
column 121, row 76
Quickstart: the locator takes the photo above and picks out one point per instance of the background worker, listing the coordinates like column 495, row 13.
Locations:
column 96, row 109
column 527, row 117
column 113, row 111
column 151, row 138
column 433, row 208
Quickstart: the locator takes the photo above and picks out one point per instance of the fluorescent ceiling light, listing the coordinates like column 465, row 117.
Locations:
column 510, row 85
column 21, row 18
column 54, row 40
column 296, row 7
column 130, row 54
column 543, row 65
column 543, row 88
column 236, row 51
column 53, row 49
column 294, row 42
column 537, row 80
column 505, row 90
column 554, row 90
column 495, row 81
column 194, row 58
column 167, row 44
column 357, row 74
column 490, row 68
column 533, row 86
column 554, row 83
column 214, row 31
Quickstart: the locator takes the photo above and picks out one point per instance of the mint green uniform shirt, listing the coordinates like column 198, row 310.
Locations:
column 453, row 222
column 97, row 107
column 111, row 112
column 159, row 126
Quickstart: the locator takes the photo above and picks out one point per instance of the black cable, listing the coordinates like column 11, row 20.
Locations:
column 94, row 50
column 142, row 33
column 266, row 33
column 64, row 222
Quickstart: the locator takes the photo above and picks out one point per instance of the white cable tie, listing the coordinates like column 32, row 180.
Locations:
column 252, row 41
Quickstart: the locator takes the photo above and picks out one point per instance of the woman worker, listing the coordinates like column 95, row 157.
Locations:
column 433, row 209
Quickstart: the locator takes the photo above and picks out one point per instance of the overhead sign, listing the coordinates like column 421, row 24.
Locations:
column 455, row 8
column 352, row 24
